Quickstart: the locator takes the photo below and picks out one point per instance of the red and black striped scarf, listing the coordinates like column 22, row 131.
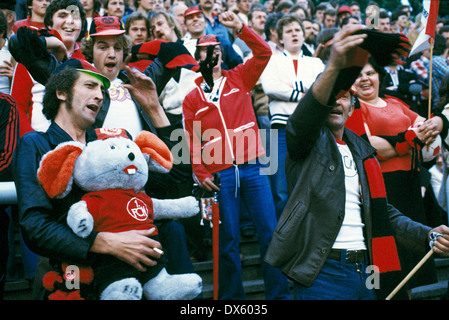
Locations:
column 171, row 54
column 383, row 246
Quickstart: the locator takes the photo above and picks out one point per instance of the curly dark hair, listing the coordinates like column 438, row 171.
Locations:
column 439, row 45
column 382, row 75
column 63, row 82
column 270, row 23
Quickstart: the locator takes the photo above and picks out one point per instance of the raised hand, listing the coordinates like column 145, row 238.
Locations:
column 144, row 91
column 230, row 20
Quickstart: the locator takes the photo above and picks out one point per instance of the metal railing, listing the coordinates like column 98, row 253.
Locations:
column 8, row 193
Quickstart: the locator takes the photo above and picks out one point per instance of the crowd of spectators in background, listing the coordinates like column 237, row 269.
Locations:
column 299, row 34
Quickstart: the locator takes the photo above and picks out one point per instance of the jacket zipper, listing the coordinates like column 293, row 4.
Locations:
column 221, row 117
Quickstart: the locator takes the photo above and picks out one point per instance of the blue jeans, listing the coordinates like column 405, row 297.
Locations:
column 173, row 238
column 265, row 126
column 279, row 179
column 248, row 185
column 337, row 280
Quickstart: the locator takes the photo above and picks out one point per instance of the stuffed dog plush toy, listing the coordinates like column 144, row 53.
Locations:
column 113, row 170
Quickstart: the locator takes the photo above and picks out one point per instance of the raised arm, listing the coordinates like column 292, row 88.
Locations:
column 307, row 121
column 343, row 42
column 252, row 69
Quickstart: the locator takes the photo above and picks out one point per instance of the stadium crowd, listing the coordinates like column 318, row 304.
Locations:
column 266, row 56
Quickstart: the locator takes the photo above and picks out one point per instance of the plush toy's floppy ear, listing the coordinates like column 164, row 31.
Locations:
column 56, row 169
column 158, row 151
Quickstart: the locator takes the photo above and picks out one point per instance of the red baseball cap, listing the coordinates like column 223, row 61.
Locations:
column 106, row 26
column 192, row 10
column 208, row 40
column 345, row 9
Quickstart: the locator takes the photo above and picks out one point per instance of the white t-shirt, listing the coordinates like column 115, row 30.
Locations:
column 214, row 95
column 122, row 111
column 351, row 233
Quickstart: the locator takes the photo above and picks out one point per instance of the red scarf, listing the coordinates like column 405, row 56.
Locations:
column 383, row 246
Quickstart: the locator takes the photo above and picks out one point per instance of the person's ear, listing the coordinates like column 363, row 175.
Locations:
column 351, row 110
column 61, row 95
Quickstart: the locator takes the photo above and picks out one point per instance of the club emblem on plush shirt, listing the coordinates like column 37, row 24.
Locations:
column 137, row 209
column 110, row 132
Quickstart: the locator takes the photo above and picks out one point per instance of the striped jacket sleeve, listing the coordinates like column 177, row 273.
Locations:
column 9, row 131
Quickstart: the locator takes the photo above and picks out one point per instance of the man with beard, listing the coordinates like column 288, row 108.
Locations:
column 311, row 31
column 197, row 26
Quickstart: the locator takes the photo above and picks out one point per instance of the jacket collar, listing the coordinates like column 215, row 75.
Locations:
column 57, row 135
column 360, row 148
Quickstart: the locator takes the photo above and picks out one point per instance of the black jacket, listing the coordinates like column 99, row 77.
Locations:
column 37, row 212
column 315, row 210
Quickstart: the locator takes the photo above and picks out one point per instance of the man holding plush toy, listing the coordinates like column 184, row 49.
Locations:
column 72, row 101
column 105, row 49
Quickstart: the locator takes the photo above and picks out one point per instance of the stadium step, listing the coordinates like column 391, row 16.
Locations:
column 251, row 271
column 21, row 289
column 436, row 290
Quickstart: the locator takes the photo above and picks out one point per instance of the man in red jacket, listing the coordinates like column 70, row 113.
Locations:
column 223, row 137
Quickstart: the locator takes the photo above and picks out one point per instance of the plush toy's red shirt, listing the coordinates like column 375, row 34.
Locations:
column 120, row 210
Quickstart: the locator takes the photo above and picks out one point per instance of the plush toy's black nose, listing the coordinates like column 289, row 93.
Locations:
column 131, row 156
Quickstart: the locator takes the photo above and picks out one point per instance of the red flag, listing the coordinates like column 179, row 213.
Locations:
column 432, row 18
column 429, row 19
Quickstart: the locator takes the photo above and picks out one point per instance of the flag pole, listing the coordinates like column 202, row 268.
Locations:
column 430, row 79
column 411, row 273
